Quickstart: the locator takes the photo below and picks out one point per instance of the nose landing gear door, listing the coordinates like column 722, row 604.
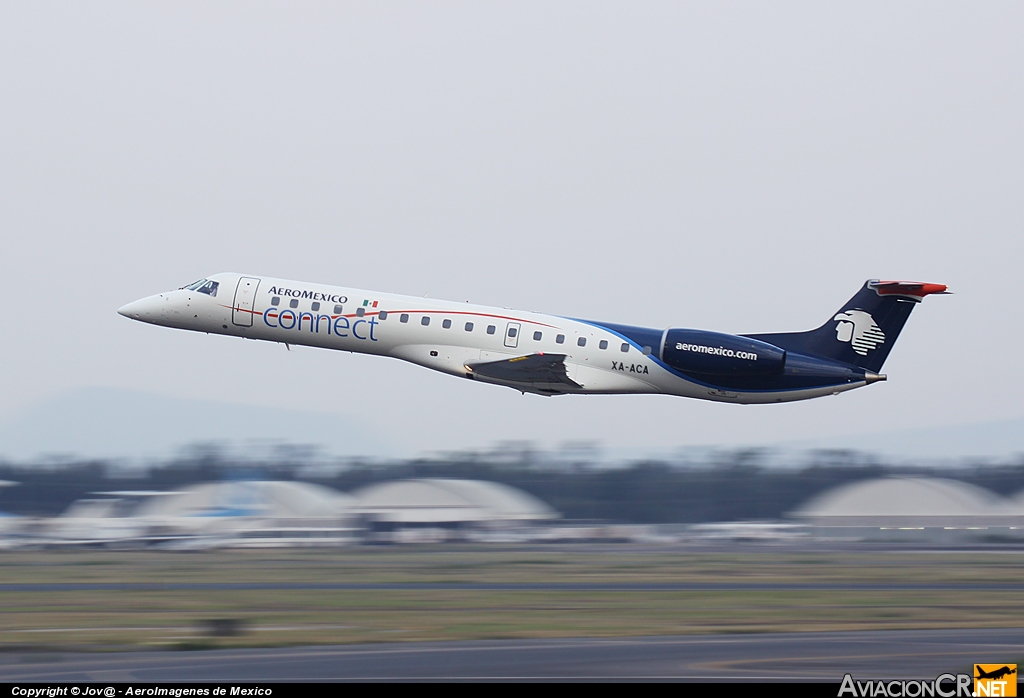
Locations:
column 245, row 296
column 512, row 335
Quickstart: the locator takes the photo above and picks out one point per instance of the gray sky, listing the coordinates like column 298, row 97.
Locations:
column 735, row 167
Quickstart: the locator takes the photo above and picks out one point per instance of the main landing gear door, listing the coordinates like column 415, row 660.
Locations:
column 245, row 296
column 512, row 335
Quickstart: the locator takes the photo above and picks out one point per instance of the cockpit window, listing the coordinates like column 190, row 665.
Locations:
column 209, row 288
column 204, row 286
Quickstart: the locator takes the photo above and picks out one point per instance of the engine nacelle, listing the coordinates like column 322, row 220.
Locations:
column 714, row 353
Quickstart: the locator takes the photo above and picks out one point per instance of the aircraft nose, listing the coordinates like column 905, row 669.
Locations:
column 128, row 310
column 145, row 309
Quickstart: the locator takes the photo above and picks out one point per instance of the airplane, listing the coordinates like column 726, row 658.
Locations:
column 548, row 354
column 995, row 674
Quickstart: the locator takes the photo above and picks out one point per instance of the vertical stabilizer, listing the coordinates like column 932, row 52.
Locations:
column 864, row 330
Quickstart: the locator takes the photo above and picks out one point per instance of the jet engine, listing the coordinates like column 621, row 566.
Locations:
column 714, row 353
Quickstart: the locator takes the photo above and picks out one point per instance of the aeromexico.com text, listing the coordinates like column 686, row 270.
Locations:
column 716, row 351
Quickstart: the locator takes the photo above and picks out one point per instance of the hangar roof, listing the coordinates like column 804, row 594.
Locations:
column 441, row 500
column 268, row 498
column 908, row 497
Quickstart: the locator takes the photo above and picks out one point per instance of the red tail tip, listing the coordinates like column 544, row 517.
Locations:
column 906, row 288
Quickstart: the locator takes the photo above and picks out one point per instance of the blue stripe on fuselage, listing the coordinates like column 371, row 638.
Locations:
column 802, row 372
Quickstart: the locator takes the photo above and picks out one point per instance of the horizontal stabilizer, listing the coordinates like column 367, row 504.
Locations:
column 908, row 289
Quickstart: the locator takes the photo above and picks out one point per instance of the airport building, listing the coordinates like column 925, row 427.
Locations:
column 235, row 513
column 913, row 508
column 439, row 509
column 246, row 513
column 250, row 513
column 264, row 513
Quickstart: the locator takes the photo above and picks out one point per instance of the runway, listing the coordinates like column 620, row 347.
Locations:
column 514, row 586
column 789, row 656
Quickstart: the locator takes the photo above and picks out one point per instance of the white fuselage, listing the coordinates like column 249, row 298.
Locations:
column 442, row 335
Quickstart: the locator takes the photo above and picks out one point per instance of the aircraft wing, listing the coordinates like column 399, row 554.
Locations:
column 535, row 373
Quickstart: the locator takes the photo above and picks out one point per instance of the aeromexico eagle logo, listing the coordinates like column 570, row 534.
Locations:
column 860, row 330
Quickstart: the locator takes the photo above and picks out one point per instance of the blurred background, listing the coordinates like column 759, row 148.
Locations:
column 207, row 498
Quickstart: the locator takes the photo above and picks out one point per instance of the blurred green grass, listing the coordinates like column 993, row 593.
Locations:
column 180, row 618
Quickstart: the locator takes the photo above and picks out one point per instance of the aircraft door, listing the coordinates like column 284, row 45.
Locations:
column 512, row 335
column 245, row 296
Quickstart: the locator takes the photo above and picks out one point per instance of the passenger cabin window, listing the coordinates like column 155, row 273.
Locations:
column 360, row 311
column 425, row 320
column 338, row 310
column 490, row 329
column 559, row 338
column 603, row 344
column 404, row 317
column 293, row 303
column 647, row 351
column 624, row 347
column 582, row 341
column 315, row 306
column 275, row 300
column 512, row 331
column 383, row 315
column 447, row 324
column 537, row 336
column 469, row 327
